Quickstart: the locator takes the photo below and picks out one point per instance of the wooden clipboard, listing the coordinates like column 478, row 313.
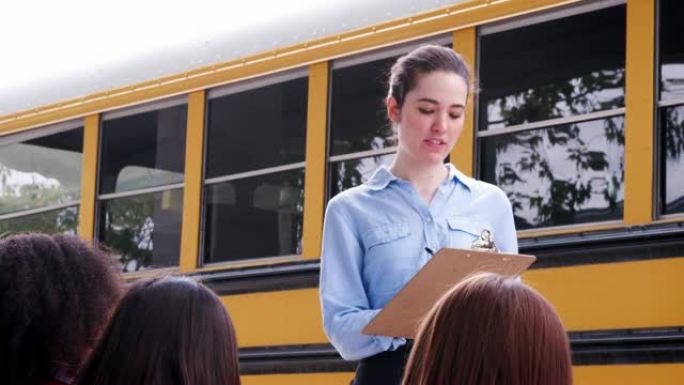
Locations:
column 403, row 313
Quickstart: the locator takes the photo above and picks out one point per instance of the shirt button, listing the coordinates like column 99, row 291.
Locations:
column 428, row 220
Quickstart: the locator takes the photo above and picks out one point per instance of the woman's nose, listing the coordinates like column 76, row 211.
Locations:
column 440, row 123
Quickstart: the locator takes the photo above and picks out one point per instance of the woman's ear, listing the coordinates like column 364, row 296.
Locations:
column 393, row 109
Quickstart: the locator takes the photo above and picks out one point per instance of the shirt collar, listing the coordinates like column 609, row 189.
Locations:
column 454, row 174
column 382, row 177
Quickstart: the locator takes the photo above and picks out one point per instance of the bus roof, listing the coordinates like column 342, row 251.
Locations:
column 69, row 49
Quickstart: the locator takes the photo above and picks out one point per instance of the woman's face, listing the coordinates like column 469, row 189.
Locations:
column 431, row 119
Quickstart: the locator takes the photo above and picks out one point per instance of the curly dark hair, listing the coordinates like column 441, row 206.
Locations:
column 56, row 294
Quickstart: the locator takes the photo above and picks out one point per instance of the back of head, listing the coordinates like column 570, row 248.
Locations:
column 56, row 294
column 166, row 331
column 490, row 330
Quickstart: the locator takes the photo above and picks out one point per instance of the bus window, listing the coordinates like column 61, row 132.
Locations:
column 671, row 107
column 140, row 201
column 40, row 180
column 254, row 169
column 551, row 108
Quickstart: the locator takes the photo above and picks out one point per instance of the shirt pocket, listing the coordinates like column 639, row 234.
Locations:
column 464, row 230
column 385, row 234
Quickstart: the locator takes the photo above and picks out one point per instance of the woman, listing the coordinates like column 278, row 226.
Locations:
column 490, row 330
column 56, row 295
column 166, row 331
column 378, row 235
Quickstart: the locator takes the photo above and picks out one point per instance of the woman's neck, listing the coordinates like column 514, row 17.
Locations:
column 425, row 178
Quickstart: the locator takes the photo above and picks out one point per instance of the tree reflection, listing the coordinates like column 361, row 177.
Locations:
column 595, row 91
column 673, row 148
column 42, row 192
column 674, row 132
column 127, row 230
column 567, row 173
column 50, row 222
column 354, row 172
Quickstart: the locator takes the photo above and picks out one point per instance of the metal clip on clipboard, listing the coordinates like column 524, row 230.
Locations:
column 485, row 242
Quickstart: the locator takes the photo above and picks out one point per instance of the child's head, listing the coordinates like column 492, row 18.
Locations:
column 166, row 331
column 490, row 330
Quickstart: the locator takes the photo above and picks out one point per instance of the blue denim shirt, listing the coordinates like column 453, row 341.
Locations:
column 375, row 238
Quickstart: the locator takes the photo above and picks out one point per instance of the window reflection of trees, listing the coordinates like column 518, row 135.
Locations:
column 350, row 173
column 126, row 226
column 595, row 91
column 41, row 172
column 40, row 192
column 673, row 149
column 143, row 231
column 56, row 221
column 562, row 175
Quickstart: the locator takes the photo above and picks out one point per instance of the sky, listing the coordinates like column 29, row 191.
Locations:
column 58, row 50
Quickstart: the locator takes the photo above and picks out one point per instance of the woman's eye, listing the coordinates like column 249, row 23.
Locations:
column 455, row 116
column 425, row 111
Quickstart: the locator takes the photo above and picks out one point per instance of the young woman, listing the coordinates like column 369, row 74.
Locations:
column 56, row 295
column 490, row 330
column 378, row 235
column 166, row 331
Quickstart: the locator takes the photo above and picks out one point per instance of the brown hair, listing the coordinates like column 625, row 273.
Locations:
column 166, row 331
column 56, row 293
column 424, row 60
column 490, row 330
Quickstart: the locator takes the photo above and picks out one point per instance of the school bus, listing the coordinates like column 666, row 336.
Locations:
column 222, row 171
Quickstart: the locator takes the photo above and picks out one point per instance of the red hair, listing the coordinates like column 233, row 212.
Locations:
column 490, row 330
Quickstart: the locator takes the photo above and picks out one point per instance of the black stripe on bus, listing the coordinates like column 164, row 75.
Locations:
column 287, row 276
column 634, row 244
column 636, row 346
column 623, row 245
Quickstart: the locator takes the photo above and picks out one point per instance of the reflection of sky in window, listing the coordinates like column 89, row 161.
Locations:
column 136, row 177
column 515, row 156
column 673, row 148
column 674, row 189
column 581, row 101
column 672, row 81
column 35, row 176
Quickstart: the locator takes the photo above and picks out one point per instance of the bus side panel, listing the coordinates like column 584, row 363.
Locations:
column 642, row 294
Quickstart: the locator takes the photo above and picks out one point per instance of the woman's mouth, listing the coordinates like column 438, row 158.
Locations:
column 435, row 143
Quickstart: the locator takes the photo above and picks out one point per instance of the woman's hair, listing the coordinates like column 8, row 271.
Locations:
column 490, row 330
column 424, row 60
column 56, row 294
column 166, row 331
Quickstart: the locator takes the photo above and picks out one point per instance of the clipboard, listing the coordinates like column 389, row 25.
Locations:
column 402, row 315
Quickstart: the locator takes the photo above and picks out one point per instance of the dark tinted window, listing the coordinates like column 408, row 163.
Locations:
column 143, row 230
column 560, row 175
column 358, row 119
column 63, row 220
column 671, row 49
column 565, row 67
column 143, row 150
column 254, row 217
column 255, row 129
column 41, row 172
